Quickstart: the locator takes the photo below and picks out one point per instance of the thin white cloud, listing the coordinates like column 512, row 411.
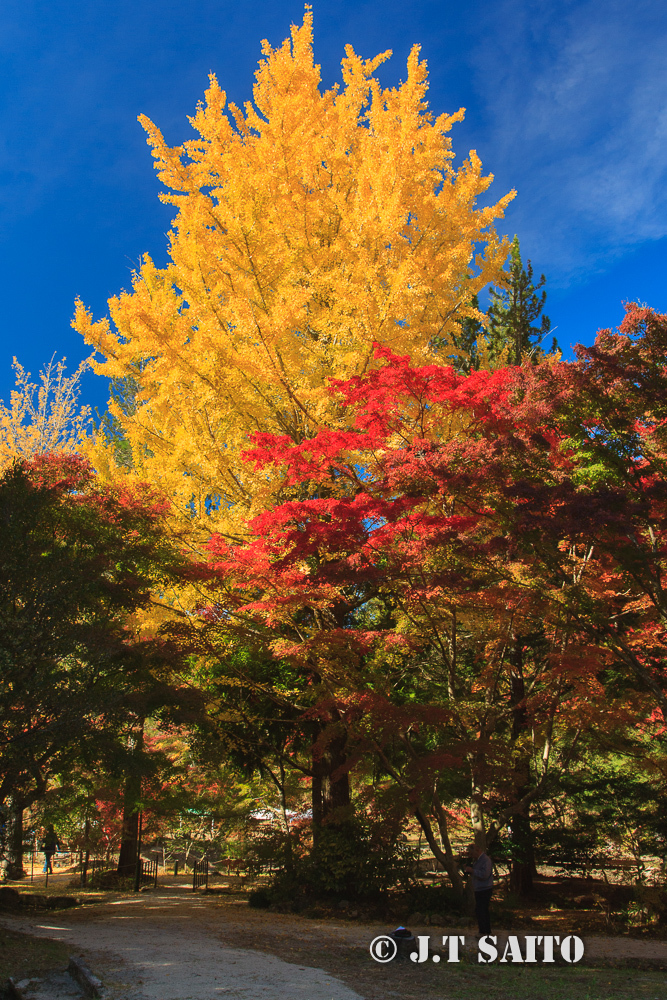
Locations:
column 576, row 98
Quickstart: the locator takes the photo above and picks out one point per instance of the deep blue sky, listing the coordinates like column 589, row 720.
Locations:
column 566, row 101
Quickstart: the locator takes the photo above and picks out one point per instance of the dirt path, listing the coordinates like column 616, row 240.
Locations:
column 170, row 945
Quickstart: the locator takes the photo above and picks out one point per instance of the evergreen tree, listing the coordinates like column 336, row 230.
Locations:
column 516, row 305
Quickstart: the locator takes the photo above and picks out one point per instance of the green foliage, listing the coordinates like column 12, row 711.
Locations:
column 515, row 323
column 647, row 906
column 516, row 305
column 608, row 804
column 472, row 334
column 122, row 403
column 76, row 560
column 272, row 849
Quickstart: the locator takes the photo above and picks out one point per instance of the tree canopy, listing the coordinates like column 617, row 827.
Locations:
column 77, row 560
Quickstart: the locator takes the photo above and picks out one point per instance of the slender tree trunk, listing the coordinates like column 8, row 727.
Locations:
column 445, row 857
column 316, row 804
column 451, row 864
column 477, row 816
column 286, row 823
column 523, row 859
column 129, row 838
column 283, row 798
column 478, row 823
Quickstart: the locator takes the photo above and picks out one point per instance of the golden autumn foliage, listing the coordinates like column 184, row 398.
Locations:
column 45, row 417
column 309, row 226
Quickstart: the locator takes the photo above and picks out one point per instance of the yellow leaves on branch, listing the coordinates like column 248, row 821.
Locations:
column 309, row 225
column 45, row 417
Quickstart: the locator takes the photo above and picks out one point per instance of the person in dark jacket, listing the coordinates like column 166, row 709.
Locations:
column 482, row 883
column 50, row 845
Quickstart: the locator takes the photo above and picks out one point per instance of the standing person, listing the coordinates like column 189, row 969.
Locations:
column 482, row 883
column 50, row 845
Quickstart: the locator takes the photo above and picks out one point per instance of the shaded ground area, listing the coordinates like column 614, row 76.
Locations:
column 54, row 985
column 170, row 944
column 22, row 955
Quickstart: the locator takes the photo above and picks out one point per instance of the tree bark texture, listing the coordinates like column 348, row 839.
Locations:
column 14, row 839
column 331, row 785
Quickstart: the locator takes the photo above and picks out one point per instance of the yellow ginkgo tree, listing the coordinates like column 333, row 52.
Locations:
column 309, row 226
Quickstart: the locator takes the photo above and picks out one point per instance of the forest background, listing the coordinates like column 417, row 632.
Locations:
column 355, row 553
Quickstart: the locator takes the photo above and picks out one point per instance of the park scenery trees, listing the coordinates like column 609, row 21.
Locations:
column 346, row 551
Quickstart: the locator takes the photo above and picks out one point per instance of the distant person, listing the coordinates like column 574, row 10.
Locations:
column 482, row 883
column 50, row 845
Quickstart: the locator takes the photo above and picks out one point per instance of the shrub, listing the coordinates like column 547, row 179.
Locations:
column 354, row 860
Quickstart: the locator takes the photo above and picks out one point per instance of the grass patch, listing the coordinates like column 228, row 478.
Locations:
column 22, row 955
column 554, row 984
column 469, row 982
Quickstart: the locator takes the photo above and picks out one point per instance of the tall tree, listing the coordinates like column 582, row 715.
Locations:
column 385, row 577
column 597, row 523
column 516, row 305
column 114, row 451
column 309, row 225
column 470, row 341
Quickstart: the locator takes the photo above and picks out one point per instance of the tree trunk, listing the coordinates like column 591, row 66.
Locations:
column 477, row 815
column 316, row 803
column 129, row 838
column 523, row 860
column 443, row 854
column 330, row 790
column 14, row 861
column 336, row 784
column 521, row 871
